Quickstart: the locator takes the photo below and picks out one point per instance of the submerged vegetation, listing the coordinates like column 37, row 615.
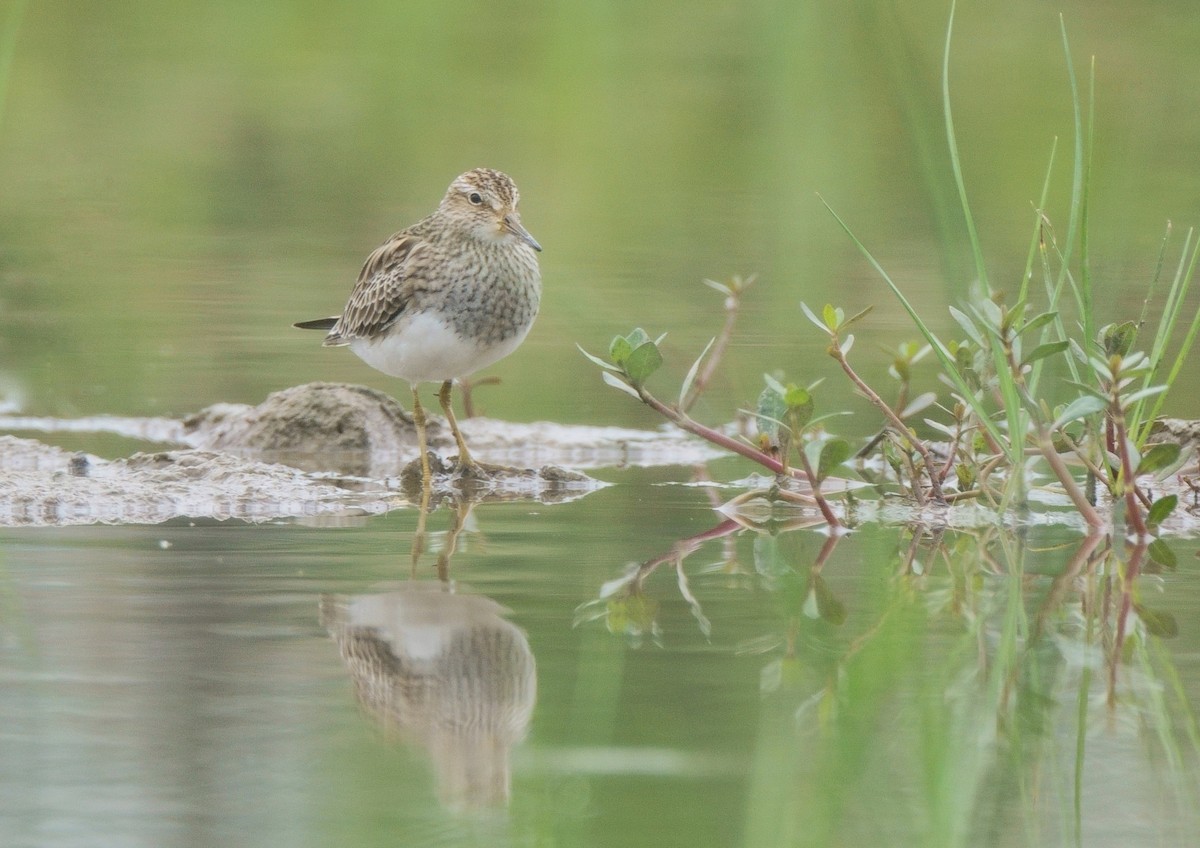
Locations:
column 995, row 420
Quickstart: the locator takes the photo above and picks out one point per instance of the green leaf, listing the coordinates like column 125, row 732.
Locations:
column 1160, row 509
column 812, row 452
column 829, row 415
column 833, row 316
column 1158, row 622
column 968, row 326
column 607, row 366
column 944, row 429
column 964, row 356
column 637, row 338
column 619, row 350
column 919, row 403
column 1081, row 407
column 617, row 383
column 1037, row 322
column 1158, row 456
column 828, row 606
column 988, row 314
column 771, row 409
column 833, row 453
column 691, row 374
column 1013, row 315
column 769, row 559
column 1133, row 363
column 1129, row 400
column 1161, row 552
column 796, row 396
column 774, row 385
column 813, row 317
column 1101, row 366
column 643, row 362
column 1044, row 350
column 1117, row 339
column 799, row 403
column 1087, row 390
column 855, row 317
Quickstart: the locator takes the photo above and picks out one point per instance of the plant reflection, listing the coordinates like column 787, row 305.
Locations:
column 989, row 675
column 442, row 671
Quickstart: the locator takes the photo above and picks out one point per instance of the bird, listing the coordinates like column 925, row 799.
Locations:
column 445, row 297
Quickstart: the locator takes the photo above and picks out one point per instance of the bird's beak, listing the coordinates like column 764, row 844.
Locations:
column 512, row 223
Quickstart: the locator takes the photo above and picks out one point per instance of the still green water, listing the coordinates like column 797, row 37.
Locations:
column 196, row 685
column 182, row 181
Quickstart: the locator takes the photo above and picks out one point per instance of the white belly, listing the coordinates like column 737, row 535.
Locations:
column 423, row 349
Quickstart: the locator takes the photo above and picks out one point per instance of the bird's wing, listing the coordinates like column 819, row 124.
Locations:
column 381, row 293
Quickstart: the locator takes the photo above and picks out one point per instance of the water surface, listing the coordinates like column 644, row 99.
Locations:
column 182, row 182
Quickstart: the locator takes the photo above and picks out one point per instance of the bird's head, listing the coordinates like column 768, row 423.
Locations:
column 485, row 202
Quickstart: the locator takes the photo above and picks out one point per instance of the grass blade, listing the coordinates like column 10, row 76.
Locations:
column 956, row 166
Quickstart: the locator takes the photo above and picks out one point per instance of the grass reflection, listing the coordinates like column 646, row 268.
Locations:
column 972, row 689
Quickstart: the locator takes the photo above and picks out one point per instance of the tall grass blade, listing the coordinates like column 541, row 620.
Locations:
column 1182, row 284
column 939, row 349
column 955, row 164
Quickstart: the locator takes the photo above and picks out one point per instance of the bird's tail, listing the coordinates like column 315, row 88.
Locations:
column 316, row 324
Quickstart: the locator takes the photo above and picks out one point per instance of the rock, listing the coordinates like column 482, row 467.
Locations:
column 1184, row 432
column 349, row 429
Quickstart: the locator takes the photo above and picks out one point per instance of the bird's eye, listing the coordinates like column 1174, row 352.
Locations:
column 475, row 198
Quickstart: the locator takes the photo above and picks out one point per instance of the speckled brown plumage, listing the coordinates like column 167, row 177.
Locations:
column 447, row 296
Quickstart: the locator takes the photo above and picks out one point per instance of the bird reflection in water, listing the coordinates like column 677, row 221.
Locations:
column 442, row 671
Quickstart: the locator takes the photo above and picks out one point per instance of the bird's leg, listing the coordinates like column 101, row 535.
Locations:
column 418, row 414
column 418, row 541
column 464, row 455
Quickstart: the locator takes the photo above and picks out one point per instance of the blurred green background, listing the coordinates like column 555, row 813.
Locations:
column 179, row 182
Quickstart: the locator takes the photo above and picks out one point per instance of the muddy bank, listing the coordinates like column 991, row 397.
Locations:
column 329, row 449
column 314, row 450
column 353, row 430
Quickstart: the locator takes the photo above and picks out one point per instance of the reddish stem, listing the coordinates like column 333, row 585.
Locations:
column 894, row 420
column 682, row 421
column 718, row 438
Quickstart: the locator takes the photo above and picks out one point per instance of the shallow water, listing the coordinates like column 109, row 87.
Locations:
column 182, row 182
column 180, row 684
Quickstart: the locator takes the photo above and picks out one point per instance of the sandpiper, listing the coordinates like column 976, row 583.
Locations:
column 445, row 297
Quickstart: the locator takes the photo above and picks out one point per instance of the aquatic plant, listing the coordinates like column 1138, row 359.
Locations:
column 994, row 414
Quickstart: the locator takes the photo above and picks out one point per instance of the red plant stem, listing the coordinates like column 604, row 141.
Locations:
column 1132, row 569
column 1046, row 446
column 718, row 438
column 1133, row 512
column 685, row 547
column 682, row 421
column 822, row 504
column 733, row 305
column 951, row 453
column 897, row 423
column 826, row 550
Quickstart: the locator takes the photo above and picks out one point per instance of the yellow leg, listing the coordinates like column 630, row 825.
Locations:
column 418, row 414
column 464, row 455
column 418, row 542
